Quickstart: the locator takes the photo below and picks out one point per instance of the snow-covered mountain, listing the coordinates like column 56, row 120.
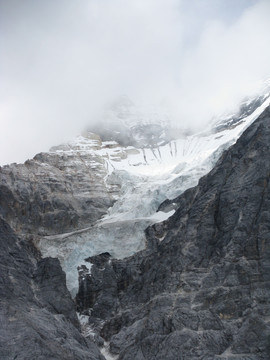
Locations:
column 199, row 287
column 139, row 177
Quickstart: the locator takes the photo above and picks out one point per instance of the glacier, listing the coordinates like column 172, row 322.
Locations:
column 140, row 178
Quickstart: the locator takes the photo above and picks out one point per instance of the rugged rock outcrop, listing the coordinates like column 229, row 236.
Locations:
column 37, row 315
column 201, row 289
column 55, row 192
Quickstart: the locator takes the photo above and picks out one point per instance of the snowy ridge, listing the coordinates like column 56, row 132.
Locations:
column 143, row 178
column 246, row 108
column 152, row 161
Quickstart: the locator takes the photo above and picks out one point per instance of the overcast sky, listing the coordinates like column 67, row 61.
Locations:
column 62, row 60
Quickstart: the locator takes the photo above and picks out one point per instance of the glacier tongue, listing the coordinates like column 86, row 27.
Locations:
column 142, row 179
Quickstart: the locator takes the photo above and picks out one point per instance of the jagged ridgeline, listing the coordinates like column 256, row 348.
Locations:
column 170, row 236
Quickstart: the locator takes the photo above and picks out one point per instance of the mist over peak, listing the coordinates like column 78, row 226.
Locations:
column 63, row 61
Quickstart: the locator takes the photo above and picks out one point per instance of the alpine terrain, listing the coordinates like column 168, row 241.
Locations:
column 140, row 241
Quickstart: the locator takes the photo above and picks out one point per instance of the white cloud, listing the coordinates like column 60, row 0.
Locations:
column 63, row 60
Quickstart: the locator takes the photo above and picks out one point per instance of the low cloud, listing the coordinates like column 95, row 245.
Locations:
column 63, row 60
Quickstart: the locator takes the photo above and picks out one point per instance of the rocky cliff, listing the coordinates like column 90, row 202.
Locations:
column 54, row 192
column 37, row 315
column 201, row 288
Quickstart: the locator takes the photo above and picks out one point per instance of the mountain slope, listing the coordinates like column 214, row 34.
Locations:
column 83, row 197
column 94, row 195
column 201, row 289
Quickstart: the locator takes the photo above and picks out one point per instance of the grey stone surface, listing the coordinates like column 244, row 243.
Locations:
column 201, row 289
column 37, row 315
column 54, row 193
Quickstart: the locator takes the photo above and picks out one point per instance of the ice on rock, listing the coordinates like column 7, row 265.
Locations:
column 141, row 179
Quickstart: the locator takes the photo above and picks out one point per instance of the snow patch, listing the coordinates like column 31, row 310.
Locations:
column 106, row 353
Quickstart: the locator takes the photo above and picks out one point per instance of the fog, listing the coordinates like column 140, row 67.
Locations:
column 63, row 60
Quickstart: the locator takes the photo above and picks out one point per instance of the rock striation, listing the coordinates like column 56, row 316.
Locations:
column 201, row 288
column 54, row 192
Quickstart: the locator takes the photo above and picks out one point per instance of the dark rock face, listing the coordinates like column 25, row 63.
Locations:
column 99, row 260
column 37, row 314
column 201, row 289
